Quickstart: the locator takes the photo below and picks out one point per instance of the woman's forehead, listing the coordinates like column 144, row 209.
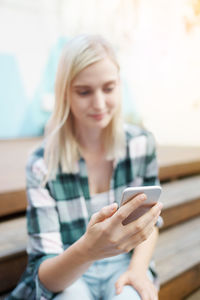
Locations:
column 104, row 71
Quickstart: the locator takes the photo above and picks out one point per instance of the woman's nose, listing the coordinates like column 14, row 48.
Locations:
column 99, row 100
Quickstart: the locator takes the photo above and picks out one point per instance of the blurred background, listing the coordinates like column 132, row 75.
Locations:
column 157, row 42
column 158, row 46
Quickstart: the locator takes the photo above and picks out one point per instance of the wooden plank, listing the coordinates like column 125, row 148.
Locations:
column 181, row 200
column 179, row 170
column 180, row 191
column 13, row 158
column 176, row 264
column 178, row 250
column 177, row 214
column 11, row 270
column 13, row 237
column 178, row 261
column 181, row 286
column 178, row 161
column 12, row 202
column 13, row 257
column 194, row 296
column 172, row 154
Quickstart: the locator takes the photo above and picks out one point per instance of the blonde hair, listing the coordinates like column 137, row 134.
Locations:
column 61, row 145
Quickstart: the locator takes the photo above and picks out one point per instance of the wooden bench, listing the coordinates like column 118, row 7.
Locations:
column 194, row 296
column 177, row 251
column 13, row 158
column 178, row 261
column 181, row 199
column 13, row 258
column 176, row 162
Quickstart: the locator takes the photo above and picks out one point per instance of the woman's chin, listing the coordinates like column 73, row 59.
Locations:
column 101, row 124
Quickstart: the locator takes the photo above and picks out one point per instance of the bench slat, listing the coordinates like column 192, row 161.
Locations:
column 14, row 153
column 178, row 249
column 181, row 200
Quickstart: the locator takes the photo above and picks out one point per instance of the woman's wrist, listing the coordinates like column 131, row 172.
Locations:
column 138, row 269
column 138, row 265
column 83, row 251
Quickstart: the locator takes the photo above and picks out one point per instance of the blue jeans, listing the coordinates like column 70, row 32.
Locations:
column 98, row 282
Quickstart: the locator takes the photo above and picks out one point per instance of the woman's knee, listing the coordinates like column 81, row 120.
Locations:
column 78, row 289
column 128, row 292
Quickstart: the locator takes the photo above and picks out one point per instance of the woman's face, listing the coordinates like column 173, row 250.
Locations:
column 95, row 94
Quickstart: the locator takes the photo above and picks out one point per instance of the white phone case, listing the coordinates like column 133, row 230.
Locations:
column 152, row 193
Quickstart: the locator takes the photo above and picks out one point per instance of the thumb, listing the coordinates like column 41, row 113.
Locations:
column 104, row 213
column 119, row 285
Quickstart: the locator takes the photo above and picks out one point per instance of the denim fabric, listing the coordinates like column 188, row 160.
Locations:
column 98, row 282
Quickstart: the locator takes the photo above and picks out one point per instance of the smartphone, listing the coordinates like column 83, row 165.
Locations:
column 152, row 193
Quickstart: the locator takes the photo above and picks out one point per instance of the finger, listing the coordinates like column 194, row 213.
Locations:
column 124, row 210
column 104, row 213
column 151, row 294
column 155, row 293
column 136, row 235
column 155, row 211
column 154, row 296
column 143, row 294
column 148, row 293
column 119, row 285
column 149, row 218
column 136, row 239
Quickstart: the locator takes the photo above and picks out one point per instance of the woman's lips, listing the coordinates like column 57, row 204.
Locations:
column 98, row 117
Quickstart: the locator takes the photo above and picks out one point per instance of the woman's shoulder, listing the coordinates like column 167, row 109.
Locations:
column 36, row 163
column 139, row 140
column 134, row 131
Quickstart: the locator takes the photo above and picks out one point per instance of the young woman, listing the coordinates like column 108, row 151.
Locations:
column 78, row 246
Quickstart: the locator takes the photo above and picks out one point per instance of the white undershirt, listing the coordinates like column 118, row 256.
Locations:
column 98, row 201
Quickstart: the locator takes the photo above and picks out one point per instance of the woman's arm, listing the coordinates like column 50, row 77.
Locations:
column 59, row 272
column 136, row 275
column 143, row 253
column 105, row 236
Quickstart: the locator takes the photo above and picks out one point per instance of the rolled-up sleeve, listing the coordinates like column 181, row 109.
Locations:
column 44, row 237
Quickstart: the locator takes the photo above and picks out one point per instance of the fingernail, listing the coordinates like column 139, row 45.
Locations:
column 113, row 206
column 143, row 197
column 160, row 205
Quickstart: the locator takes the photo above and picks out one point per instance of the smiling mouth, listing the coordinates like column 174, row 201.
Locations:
column 98, row 116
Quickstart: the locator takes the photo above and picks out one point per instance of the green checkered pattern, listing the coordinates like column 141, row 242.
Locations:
column 58, row 213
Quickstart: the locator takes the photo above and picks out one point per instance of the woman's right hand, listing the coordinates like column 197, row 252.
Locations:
column 106, row 235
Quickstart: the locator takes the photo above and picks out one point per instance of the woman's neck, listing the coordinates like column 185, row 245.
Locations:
column 90, row 140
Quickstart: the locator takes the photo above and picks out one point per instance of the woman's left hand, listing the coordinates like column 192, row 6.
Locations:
column 140, row 282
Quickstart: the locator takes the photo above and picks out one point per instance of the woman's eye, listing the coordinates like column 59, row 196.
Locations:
column 108, row 89
column 84, row 93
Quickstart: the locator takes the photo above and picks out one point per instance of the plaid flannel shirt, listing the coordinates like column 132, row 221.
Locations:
column 58, row 214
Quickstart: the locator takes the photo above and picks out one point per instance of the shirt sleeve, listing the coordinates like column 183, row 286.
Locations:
column 44, row 237
column 151, row 165
column 151, row 168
